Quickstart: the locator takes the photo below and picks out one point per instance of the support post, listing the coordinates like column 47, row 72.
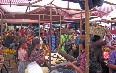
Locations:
column 39, row 28
column 60, row 31
column 68, row 4
column 1, row 27
column 87, row 37
column 50, row 45
column 80, row 30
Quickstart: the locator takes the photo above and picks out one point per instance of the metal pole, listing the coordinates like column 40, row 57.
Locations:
column 50, row 45
column 87, row 35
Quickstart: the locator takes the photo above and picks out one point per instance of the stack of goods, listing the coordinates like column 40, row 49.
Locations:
column 55, row 59
column 8, row 53
column 97, row 30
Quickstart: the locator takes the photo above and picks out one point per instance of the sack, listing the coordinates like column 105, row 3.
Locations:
column 33, row 67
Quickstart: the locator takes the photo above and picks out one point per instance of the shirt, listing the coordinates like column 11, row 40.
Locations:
column 112, row 59
column 22, row 53
column 82, row 61
column 36, row 55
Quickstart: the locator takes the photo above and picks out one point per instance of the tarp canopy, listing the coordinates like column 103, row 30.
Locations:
column 14, row 8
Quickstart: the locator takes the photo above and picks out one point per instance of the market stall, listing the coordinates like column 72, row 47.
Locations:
column 51, row 13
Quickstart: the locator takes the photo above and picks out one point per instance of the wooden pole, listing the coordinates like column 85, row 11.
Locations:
column 1, row 27
column 50, row 45
column 39, row 28
column 68, row 4
column 87, row 37
column 60, row 31
column 80, row 31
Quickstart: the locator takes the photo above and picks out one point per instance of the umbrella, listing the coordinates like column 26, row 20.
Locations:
column 113, row 31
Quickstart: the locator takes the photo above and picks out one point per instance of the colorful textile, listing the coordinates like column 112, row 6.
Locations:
column 82, row 61
column 63, row 38
column 112, row 60
column 53, row 42
column 36, row 55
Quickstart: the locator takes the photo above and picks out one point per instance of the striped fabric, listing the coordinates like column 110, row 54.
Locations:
column 12, row 1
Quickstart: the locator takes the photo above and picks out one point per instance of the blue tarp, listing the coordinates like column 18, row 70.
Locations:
column 92, row 3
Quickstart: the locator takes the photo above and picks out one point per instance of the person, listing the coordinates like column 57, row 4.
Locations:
column 22, row 31
column 53, row 40
column 96, row 48
column 79, row 66
column 112, row 62
column 41, row 39
column 22, row 56
column 109, row 41
column 65, row 41
column 37, row 54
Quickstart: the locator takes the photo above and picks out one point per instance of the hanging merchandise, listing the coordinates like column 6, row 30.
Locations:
column 92, row 3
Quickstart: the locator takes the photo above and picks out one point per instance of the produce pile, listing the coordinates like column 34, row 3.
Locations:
column 8, row 51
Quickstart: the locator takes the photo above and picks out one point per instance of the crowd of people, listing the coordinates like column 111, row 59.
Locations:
column 32, row 48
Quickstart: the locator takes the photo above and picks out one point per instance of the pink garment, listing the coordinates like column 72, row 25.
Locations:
column 22, row 54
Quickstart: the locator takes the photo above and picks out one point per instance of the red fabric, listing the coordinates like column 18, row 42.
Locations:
column 113, row 31
column 22, row 31
column 106, row 55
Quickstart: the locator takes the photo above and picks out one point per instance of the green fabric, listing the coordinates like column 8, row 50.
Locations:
column 63, row 38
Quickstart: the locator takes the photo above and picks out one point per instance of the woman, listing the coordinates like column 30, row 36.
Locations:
column 37, row 54
column 76, row 66
column 22, row 56
column 81, row 63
